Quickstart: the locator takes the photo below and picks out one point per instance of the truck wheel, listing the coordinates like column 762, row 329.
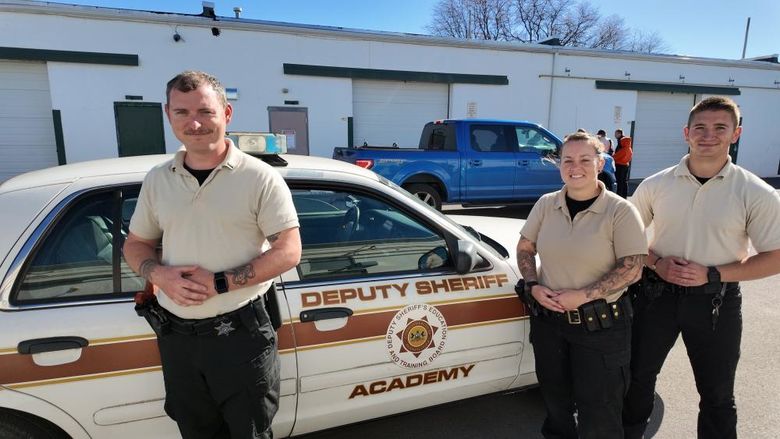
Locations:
column 426, row 193
column 18, row 425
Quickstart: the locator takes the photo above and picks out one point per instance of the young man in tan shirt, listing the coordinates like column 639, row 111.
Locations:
column 704, row 210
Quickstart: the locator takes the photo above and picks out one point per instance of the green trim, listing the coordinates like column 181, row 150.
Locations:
column 350, row 132
column 393, row 75
column 118, row 59
column 676, row 88
column 59, row 139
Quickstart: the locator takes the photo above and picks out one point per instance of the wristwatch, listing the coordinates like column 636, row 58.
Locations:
column 713, row 275
column 653, row 265
column 530, row 285
column 220, row 282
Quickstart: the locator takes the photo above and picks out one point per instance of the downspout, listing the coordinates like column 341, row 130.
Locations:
column 550, row 103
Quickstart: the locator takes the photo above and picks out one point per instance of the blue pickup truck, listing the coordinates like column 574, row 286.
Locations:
column 472, row 162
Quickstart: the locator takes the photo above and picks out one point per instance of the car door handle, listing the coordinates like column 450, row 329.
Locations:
column 523, row 162
column 475, row 162
column 51, row 344
column 313, row 315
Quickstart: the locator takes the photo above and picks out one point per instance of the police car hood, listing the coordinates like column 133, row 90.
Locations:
column 505, row 231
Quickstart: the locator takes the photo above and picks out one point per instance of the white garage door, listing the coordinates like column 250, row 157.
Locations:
column 26, row 125
column 658, row 136
column 387, row 112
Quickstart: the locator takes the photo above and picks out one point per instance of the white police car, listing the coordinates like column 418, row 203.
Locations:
column 393, row 307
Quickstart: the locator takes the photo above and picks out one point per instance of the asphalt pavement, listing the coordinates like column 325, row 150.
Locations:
column 520, row 414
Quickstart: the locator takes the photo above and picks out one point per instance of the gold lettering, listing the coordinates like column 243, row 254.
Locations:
column 470, row 282
column 443, row 285
column 311, row 299
column 422, row 287
column 371, row 295
column 466, row 370
column 414, row 380
column 456, row 284
column 502, row 279
column 401, row 288
column 382, row 290
column 377, row 387
column 330, row 297
column 347, row 294
column 359, row 390
column 430, row 377
column 445, row 376
column 395, row 384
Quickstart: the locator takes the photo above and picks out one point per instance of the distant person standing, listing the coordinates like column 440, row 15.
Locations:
column 623, row 154
column 606, row 141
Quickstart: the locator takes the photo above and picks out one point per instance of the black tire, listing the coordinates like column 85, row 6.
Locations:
column 427, row 193
column 18, row 425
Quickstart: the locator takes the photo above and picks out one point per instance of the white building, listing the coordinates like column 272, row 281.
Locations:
column 83, row 83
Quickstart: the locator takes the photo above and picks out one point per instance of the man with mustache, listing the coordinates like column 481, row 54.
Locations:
column 228, row 228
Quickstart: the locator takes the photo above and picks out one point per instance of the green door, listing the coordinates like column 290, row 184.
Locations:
column 139, row 128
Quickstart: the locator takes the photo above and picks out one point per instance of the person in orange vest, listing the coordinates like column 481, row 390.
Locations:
column 623, row 154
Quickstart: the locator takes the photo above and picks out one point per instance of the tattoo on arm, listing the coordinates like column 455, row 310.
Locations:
column 526, row 259
column 273, row 237
column 241, row 275
column 625, row 273
column 146, row 267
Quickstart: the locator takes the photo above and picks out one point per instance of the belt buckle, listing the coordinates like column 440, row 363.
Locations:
column 573, row 317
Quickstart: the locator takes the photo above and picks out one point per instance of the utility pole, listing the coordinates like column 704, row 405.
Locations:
column 747, row 30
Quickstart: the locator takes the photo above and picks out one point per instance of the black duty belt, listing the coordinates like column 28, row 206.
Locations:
column 708, row 288
column 222, row 324
column 595, row 315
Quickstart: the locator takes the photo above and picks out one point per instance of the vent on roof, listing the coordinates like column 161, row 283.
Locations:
column 208, row 10
column 552, row 41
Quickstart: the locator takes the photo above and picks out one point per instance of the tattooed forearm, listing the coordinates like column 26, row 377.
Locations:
column 627, row 271
column 526, row 259
column 241, row 275
column 273, row 237
column 146, row 267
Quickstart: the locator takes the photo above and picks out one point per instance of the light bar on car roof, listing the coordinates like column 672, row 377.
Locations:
column 259, row 143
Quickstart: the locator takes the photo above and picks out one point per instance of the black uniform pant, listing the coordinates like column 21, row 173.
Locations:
column 222, row 386
column 583, row 371
column 713, row 355
column 621, row 175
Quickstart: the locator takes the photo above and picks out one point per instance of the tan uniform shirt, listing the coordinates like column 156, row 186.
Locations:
column 709, row 224
column 574, row 254
column 220, row 225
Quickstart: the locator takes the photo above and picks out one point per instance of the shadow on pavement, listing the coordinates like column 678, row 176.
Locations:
column 510, row 415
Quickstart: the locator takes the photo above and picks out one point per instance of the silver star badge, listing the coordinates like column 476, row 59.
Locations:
column 225, row 327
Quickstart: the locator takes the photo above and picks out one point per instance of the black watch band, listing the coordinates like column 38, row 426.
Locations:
column 529, row 285
column 220, row 282
column 713, row 275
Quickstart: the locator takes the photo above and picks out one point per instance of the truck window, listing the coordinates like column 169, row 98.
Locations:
column 530, row 139
column 492, row 138
column 438, row 137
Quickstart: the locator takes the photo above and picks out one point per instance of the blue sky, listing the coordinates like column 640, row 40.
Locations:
column 713, row 28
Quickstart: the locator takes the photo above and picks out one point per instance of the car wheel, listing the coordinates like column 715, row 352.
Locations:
column 426, row 193
column 18, row 425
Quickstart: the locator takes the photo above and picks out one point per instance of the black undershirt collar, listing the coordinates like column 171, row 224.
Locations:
column 200, row 174
column 576, row 206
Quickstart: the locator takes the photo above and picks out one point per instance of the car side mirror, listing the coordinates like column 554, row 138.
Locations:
column 467, row 257
column 435, row 258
